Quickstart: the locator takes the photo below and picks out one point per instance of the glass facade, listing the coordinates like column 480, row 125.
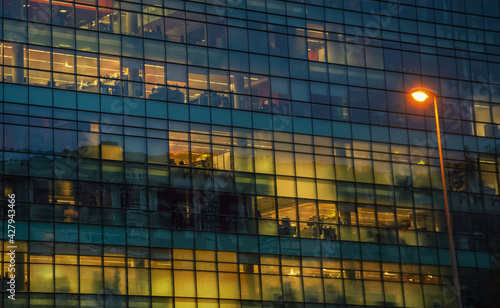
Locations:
column 249, row 153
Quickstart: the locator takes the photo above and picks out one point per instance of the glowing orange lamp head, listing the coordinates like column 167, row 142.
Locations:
column 421, row 94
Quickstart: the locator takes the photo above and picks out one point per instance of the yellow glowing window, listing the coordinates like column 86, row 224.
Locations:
column 66, row 259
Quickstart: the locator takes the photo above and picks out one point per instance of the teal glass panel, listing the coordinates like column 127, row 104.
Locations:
column 40, row 96
column 227, row 242
column 91, row 234
column 114, row 236
column 88, row 102
column 248, row 243
column 138, row 236
column 41, row 231
column 183, row 239
column 16, row 94
column 161, row 238
column 205, row 240
column 178, row 112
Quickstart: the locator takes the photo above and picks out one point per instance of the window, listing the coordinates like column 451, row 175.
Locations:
column 86, row 17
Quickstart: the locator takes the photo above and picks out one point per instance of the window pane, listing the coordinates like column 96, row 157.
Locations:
column 184, row 283
column 161, row 282
column 206, row 283
column 91, row 280
column 382, row 172
column 115, row 280
column 196, row 33
column 286, row 187
column 304, row 164
column 66, row 279
column 243, row 159
column 16, row 138
column 292, row 289
column 271, row 287
column 135, row 149
column 344, row 169
column 157, row 151
column 217, row 36
column 138, row 281
column 363, row 171
column 63, row 61
column 112, row 147
column 284, row 163
column 264, row 162
column 229, row 285
column 41, row 278
column 324, row 167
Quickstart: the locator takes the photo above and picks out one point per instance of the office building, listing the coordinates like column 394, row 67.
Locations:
column 249, row 153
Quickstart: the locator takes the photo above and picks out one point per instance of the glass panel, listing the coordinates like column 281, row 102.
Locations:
column 196, row 33
column 110, row 67
column 304, row 164
column 206, row 283
column 63, row 61
column 354, row 292
column 286, row 187
column 382, row 172
column 86, row 64
column 91, row 280
column 250, row 285
column 306, row 188
column 175, row 30
column 41, row 278
column 217, row 36
column 39, row 58
column 284, row 163
column 157, row 151
column 179, row 153
column 112, row 147
column 138, row 281
column 366, row 216
column 184, row 283
column 229, row 285
column 292, row 288
column 161, row 282
column 62, row 14
column 66, row 279
column 316, row 50
column 115, row 280
column 201, row 156
column 373, row 293
column 131, row 23
column 385, row 217
column 109, row 20
column 393, row 293
column 363, row 171
column 86, row 17
column 16, row 138
column 420, row 176
column 153, row 26
column 271, row 287
column 344, row 169
column 243, row 160
column 405, row 219
column 39, row 11
column 135, row 149
column 287, row 213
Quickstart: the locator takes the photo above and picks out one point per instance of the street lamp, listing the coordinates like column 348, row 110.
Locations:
column 421, row 95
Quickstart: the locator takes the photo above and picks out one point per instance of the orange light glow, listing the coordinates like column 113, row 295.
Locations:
column 419, row 96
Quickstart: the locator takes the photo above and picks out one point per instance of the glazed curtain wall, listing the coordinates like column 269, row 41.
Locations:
column 176, row 277
column 249, row 153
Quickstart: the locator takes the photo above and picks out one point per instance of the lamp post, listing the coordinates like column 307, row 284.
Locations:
column 421, row 95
